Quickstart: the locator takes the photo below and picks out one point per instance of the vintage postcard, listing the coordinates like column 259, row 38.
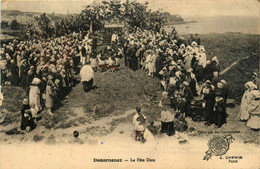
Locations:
column 130, row 84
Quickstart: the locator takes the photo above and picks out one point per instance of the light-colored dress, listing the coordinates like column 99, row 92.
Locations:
column 187, row 61
column 148, row 61
column 152, row 64
column 34, row 97
column 93, row 62
column 114, row 37
column 49, row 97
column 254, row 111
column 167, row 116
column 244, row 107
column 138, row 126
column 86, row 73
column 203, row 59
column 148, row 136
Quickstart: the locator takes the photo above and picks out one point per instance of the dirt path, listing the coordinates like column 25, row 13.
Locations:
column 232, row 65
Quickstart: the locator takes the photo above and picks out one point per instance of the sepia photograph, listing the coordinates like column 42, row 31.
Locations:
column 130, row 84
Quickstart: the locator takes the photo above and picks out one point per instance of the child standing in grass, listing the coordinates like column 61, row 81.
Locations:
column 27, row 122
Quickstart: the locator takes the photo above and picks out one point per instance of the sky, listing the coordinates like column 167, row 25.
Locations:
column 185, row 8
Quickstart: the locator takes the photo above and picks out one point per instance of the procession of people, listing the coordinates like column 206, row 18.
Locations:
column 188, row 79
column 47, row 69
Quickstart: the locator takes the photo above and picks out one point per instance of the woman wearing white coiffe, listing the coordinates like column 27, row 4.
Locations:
column 152, row 65
column 148, row 60
column 188, row 57
column 80, row 53
column 254, row 110
column 244, row 108
column 202, row 57
column 195, row 48
column 49, row 95
column 34, row 94
column 88, row 52
column 187, row 61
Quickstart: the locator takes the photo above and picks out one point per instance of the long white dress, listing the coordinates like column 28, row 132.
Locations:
column 203, row 59
column 82, row 59
column 187, row 61
column 152, row 64
column 34, row 97
column 88, row 52
column 147, row 61
column 148, row 136
column 244, row 107
column 254, row 111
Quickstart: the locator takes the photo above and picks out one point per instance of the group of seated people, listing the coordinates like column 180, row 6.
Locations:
column 108, row 58
column 100, row 56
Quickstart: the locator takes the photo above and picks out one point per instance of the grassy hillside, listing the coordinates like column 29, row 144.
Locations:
column 101, row 110
column 230, row 47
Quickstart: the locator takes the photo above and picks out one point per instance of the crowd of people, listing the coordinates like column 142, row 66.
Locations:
column 45, row 69
column 191, row 82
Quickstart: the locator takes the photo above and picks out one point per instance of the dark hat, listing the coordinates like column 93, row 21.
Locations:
column 75, row 134
column 138, row 109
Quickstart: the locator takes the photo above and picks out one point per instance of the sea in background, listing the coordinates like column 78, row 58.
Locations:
column 218, row 24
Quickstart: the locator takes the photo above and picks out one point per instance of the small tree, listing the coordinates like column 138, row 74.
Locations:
column 30, row 31
column 4, row 24
column 14, row 25
column 45, row 25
